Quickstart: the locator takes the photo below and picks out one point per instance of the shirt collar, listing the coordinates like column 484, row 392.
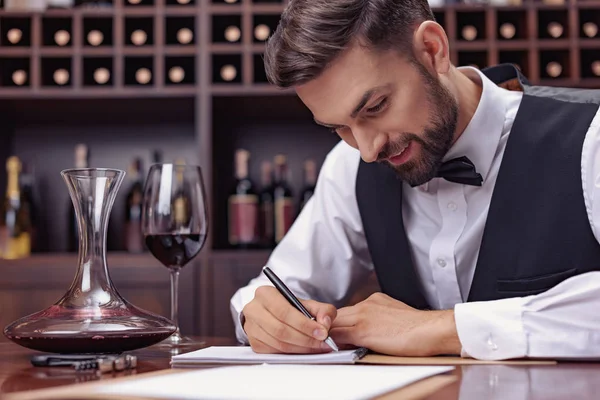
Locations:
column 479, row 141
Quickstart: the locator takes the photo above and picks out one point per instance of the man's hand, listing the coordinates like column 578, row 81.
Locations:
column 274, row 326
column 389, row 326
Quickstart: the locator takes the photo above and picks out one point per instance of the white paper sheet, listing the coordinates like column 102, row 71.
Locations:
column 245, row 355
column 266, row 382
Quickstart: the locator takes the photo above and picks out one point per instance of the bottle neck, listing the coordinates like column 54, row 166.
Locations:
column 12, row 187
column 281, row 173
column 241, row 168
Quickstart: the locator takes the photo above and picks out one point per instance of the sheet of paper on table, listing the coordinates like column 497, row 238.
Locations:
column 266, row 382
column 245, row 355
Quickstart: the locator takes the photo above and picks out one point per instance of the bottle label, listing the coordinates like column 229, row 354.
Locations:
column 267, row 224
column 284, row 217
column 243, row 219
column 14, row 247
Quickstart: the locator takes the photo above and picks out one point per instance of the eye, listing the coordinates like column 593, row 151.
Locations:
column 378, row 107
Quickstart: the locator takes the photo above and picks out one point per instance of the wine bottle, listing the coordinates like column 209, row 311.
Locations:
column 27, row 184
column 555, row 30
column 62, row 37
column 134, row 241
column 14, row 35
column 267, row 225
column 228, row 72
column 243, row 205
column 469, row 32
column 595, row 66
column 19, row 77
column 157, row 157
column 590, row 29
column 139, row 37
column 283, row 199
column 81, row 161
column 310, row 180
column 554, row 69
column 95, row 37
column 143, row 76
column 185, row 35
column 181, row 204
column 101, row 76
column 262, row 32
column 61, row 76
column 15, row 241
column 507, row 30
column 233, row 33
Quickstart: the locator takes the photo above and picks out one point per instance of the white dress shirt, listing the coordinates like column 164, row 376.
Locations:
column 325, row 257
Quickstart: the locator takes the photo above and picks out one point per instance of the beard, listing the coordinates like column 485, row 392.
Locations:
column 436, row 138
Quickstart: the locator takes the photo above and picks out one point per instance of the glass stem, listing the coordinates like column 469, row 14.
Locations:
column 174, row 298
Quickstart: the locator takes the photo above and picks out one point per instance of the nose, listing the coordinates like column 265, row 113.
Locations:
column 366, row 143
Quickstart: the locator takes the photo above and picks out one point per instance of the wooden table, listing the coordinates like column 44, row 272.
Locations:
column 549, row 382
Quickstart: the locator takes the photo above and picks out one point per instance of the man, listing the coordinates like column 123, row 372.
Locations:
column 476, row 206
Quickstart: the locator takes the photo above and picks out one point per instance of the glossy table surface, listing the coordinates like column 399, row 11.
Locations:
column 514, row 382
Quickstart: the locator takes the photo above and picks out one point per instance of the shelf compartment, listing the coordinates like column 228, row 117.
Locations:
column 590, row 64
column 15, row 72
column 470, row 26
column 97, row 32
column 179, row 71
column 57, row 32
column 260, row 76
column 15, row 32
column 226, row 29
column 139, row 71
column 227, row 68
column 263, row 26
column 520, row 58
column 478, row 59
column 589, row 23
column 554, row 64
column 553, row 24
column 180, row 31
column 511, row 25
column 57, row 72
column 98, row 72
column 139, row 31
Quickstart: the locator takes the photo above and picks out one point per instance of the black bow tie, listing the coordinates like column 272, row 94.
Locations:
column 460, row 170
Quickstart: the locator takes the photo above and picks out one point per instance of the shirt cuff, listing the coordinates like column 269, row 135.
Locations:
column 240, row 334
column 492, row 330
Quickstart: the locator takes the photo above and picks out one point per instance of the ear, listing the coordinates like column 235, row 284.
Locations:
column 431, row 47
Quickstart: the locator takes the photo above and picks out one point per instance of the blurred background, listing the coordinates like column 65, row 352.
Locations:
column 128, row 83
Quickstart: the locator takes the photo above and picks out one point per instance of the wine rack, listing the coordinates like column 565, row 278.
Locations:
column 188, row 76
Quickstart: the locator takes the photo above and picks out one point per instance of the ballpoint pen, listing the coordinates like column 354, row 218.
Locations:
column 287, row 293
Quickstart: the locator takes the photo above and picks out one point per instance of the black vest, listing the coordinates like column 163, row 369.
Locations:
column 537, row 232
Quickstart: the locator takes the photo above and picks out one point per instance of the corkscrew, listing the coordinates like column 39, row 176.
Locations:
column 101, row 364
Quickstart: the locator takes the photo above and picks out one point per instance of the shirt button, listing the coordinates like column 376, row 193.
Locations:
column 452, row 206
column 441, row 262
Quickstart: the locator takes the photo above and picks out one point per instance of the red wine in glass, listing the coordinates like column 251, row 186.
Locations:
column 174, row 251
column 175, row 225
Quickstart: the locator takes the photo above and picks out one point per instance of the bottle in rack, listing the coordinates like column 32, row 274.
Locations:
column 590, row 29
column 469, row 33
column 310, row 180
column 507, row 31
column 243, row 206
column 555, row 30
column 15, row 240
column 267, row 225
column 283, row 199
column 554, row 69
column 81, row 161
column 134, row 241
column 27, row 192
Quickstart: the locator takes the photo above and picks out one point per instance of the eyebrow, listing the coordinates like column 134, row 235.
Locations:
column 361, row 104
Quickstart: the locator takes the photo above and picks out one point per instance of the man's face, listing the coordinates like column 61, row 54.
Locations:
column 391, row 110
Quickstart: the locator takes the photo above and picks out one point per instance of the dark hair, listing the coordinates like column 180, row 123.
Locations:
column 312, row 33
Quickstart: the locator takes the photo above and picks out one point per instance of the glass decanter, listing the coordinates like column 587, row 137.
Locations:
column 91, row 317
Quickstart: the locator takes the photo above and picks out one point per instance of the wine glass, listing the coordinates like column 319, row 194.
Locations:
column 175, row 225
